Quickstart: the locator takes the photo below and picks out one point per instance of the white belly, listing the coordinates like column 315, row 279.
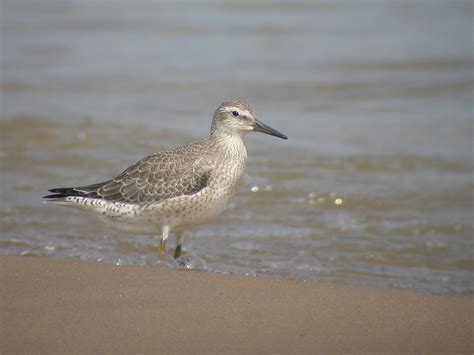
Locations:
column 176, row 213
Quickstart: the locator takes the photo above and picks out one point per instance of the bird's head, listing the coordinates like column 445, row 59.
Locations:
column 237, row 117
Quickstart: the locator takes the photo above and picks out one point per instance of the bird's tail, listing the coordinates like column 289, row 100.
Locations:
column 72, row 195
column 61, row 195
column 62, row 192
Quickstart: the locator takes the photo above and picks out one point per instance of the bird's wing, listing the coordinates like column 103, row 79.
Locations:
column 154, row 179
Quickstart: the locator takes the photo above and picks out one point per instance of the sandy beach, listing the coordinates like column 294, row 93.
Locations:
column 70, row 306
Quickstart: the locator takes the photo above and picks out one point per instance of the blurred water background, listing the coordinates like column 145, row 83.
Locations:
column 373, row 188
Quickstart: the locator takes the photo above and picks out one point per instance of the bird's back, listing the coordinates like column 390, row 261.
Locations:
column 155, row 178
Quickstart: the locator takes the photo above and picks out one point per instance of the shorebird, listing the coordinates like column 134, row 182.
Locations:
column 176, row 189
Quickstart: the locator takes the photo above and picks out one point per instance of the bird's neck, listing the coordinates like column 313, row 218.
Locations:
column 229, row 143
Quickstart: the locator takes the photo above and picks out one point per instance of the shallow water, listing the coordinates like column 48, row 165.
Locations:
column 373, row 188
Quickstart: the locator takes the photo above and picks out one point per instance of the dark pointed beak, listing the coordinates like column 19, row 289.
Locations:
column 262, row 127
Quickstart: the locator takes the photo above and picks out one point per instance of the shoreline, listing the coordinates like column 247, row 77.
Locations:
column 73, row 306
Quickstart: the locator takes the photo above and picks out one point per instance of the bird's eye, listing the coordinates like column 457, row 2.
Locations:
column 235, row 114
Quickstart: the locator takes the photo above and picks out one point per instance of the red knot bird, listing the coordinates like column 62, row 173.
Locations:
column 175, row 189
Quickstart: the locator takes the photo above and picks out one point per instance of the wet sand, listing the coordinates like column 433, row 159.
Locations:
column 70, row 306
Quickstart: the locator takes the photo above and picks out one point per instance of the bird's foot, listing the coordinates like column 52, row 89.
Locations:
column 162, row 247
column 177, row 251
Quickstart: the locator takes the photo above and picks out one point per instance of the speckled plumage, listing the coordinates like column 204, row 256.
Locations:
column 175, row 189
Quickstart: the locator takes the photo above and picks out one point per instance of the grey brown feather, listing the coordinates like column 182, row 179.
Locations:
column 152, row 179
column 157, row 178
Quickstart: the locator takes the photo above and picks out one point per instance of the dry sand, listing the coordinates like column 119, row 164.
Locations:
column 68, row 306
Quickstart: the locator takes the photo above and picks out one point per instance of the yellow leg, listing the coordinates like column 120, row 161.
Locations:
column 164, row 235
column 161, row 247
